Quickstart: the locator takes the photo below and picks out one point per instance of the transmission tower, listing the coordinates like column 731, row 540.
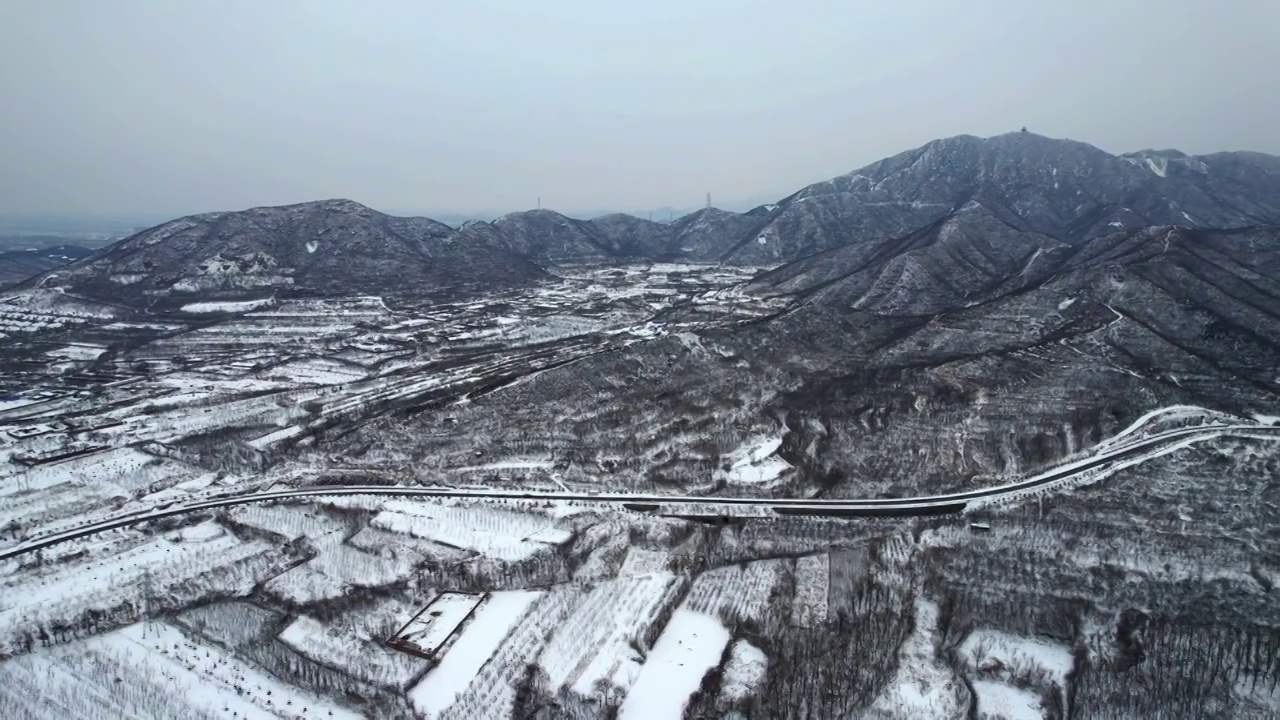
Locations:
column 708, row 201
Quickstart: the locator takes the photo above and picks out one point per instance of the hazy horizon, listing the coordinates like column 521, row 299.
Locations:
column 160, row 109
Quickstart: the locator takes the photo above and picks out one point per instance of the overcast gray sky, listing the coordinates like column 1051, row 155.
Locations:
column 171, row 107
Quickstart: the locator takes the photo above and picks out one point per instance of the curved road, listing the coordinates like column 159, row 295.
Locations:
column 925, row 505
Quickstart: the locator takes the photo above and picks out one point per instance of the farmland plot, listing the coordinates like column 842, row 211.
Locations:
column 813, row 577
column 496, row 619
column 1006, row 665
column 233, row 623
column 923, row 686
column 744, row 673
column 359, row 655
column 334, row 572
column 86, row 470
column 754, row 463
column 736, row 592
column 433, row 626
column 398, row 545
column 159, row 573
column 492, row 694
column 496, row 533
column 291, row 522
column 597, row 643
column 150, row 670
column 690, row 646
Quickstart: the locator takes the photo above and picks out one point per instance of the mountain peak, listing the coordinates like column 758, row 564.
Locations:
column 1168, row 154
column 342, row 205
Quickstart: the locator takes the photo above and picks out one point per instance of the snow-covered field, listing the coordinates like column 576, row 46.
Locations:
column 755, row 463
column 492, row 623
column 150, row 670
column 998, row 701
column 813, row 574
column 335, row 572
column 433, row 626
column 691, row 645
column 596, row 644
column 114, row 575
column 366, row 658
column 744, row 671
column 923, row 687
column 496, row 533
column 736, row 591
column 290, row 522
column 226, row 307
column 1007, row 664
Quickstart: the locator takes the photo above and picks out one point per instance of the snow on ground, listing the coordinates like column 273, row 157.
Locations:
column 1012, row 657
column 596, row 644
column 497, row 533
column 336, row 646
column 302, row 585
column 690, row 646
column 226, row 307
column 492, row 694
column 743, row 673
column 513, row 464
column 141, row 326
column 1015, row 653
column 77, row 352
column 754, row 463
column 162, row 568
column 152, row 670
column 291, row 522
column 316, row 371
column 922, row 686
column 813, row 578
column 277, row 436
column 86, row 470
column 54, row 301
column 205, row 385
column 997, row 700
column 16, row 403
column 415, row 550
column 490, row 626
column 736, row 591
column 644, row 562
column 432, row 627
column 334, row 571
column 203, row 532
column 1268, row 419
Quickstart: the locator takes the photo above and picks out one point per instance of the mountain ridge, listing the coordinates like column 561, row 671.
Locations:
column 1062, row 189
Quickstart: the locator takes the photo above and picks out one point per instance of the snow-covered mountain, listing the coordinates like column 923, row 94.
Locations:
column 326, row 247
column 1065, row 189
column 1056, row 190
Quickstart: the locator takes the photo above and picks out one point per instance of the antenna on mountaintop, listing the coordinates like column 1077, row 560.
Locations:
column 539, row 203
column 708, row 201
